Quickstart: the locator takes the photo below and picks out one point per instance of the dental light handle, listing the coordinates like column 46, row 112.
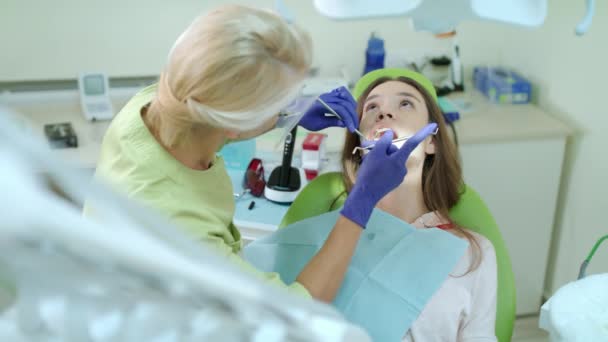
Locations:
column 290, row 142
column 584, row 25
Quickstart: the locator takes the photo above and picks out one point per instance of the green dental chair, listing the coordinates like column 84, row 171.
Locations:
column 326, row 193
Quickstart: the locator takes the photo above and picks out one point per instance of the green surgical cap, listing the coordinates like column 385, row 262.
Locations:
column 372, row 76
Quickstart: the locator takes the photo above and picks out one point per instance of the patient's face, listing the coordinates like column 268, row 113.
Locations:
column 400, row 107
column 393, row 105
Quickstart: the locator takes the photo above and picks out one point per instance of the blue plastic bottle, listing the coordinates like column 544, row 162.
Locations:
column 374, row 55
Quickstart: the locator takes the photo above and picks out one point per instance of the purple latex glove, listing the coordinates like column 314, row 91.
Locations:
column 381, row 171
column 341, row 101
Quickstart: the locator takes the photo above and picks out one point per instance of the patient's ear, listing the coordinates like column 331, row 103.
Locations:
column 430, row 147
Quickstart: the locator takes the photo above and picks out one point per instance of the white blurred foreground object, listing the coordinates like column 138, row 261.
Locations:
column 578, row 312
column 128, row 276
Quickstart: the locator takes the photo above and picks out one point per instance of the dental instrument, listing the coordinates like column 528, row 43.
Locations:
column 334, row 113
column 395, row 141
column 583, row 269
column 285, row 181
column 241, row 194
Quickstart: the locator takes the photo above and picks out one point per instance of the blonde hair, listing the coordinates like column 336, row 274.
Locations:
column 235, row 68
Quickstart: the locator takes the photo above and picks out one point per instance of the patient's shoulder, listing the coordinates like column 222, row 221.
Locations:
column 483, row 242
column 479, row 258
column 480, row 240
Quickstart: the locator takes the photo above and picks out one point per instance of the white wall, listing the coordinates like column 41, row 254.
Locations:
column 569, row 75
column 57, row 39
column 572, row 75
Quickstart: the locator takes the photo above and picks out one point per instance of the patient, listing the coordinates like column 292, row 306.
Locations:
column 464, row 308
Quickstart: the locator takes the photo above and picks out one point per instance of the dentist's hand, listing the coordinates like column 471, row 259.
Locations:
column 381, row 171
column 339, row 100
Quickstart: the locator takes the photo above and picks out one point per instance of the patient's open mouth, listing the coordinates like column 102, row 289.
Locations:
column 378, row 133
column 375, row 135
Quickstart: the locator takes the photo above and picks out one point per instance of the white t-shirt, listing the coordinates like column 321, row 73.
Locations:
column 464, row 307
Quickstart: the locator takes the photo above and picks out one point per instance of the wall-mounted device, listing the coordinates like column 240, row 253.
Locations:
column 94, row 92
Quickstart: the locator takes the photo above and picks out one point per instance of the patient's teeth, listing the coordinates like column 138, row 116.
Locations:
column 381, row 131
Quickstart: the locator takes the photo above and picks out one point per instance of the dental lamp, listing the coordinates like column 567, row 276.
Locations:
column 441, row 16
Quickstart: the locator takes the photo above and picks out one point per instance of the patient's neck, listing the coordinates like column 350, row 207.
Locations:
column 405, row 202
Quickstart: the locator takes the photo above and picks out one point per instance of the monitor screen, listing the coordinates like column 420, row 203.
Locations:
column 94, row 85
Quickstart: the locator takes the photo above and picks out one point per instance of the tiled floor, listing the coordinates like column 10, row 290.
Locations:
column 527, row 330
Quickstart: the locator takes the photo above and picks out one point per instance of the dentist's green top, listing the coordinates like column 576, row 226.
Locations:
column 201, row 203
